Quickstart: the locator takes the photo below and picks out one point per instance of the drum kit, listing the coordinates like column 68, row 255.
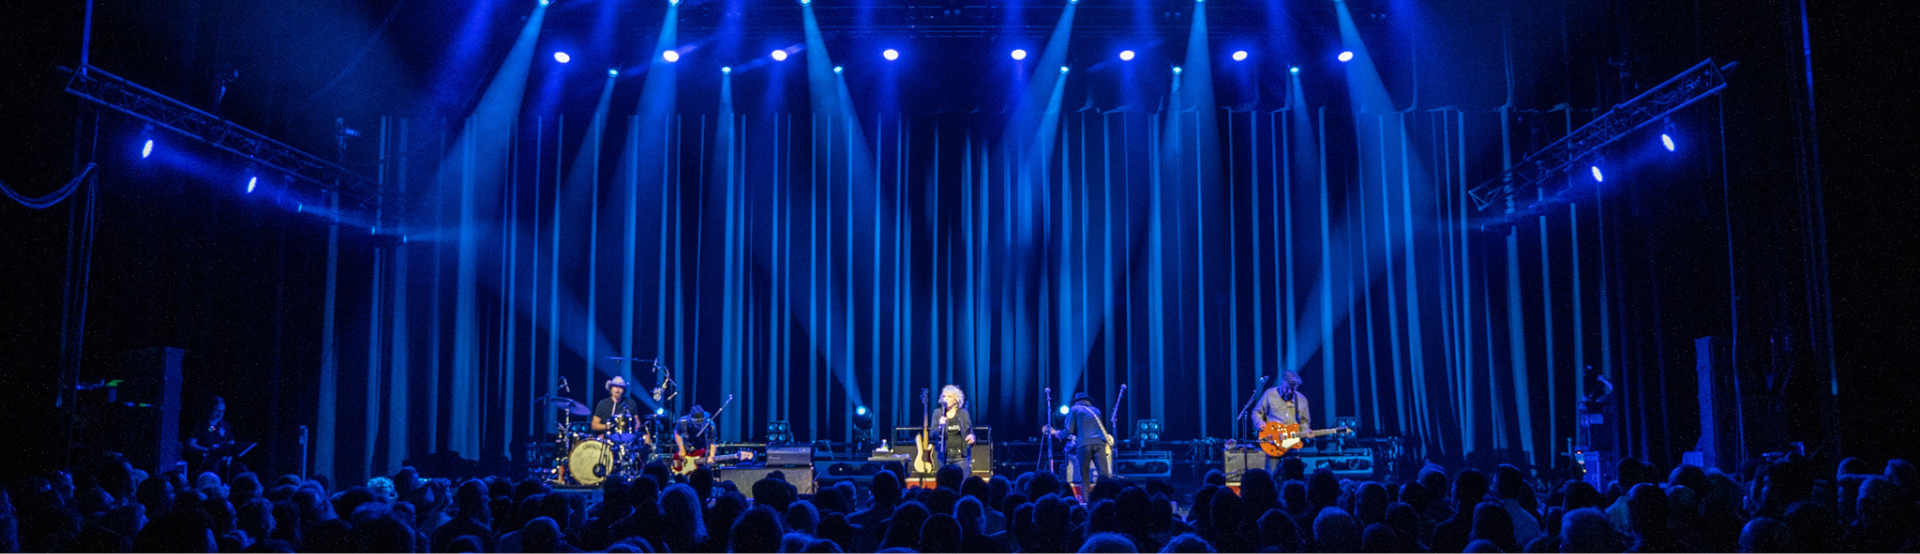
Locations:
column 583, row 457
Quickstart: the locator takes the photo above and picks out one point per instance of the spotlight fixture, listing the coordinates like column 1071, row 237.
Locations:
column 146, row 141
column 613, row 72
column 726, row 69
column 779, row 55
column 1126, row 55
column 659, row 411
column 1240, row 56
column 862, row 426
column 562, row 57
column 252, row 181
column 1019, row 54
column 838, row 69
column 670, row 56
column 1293, row 70
column 1346, row 56
column 1598, row 177
column 1176, row 70
column 1666, row 136
column 673, row 2
column 890, row 54
column 1063, row 410
column 1063, row 70
column 806, row 2
column 543, row 3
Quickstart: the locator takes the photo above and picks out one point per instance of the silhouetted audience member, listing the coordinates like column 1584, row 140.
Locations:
column 1765, row 534
column 1587, row 530
column 1492, row 523
column 1334, row 530
column 1108, row 543
column 1452, row 535
column 757, row 530
column 1188, row 543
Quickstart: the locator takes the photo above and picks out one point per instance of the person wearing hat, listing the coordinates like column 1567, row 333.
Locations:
column 1088, row 437
column 615, row 404
column 693, row 435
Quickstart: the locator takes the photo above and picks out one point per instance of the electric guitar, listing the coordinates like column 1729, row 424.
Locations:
column 923, row 462
column 1277, row 439
column 684, row 465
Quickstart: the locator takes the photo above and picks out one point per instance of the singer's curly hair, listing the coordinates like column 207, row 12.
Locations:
column 956, row 392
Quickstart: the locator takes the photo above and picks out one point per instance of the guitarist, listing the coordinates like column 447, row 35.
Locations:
column 1088, row 437
column 693, row 435
column 1284, row 404
column 956, row 428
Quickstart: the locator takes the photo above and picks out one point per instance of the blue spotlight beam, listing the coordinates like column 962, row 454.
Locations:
column 1539, row 168
column 118, row 94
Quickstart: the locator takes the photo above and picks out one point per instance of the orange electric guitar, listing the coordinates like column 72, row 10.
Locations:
column 1277, row 439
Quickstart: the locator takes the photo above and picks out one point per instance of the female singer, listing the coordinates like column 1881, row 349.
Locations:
column 957, row 428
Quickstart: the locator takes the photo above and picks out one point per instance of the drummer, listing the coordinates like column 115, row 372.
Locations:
column 615, row 413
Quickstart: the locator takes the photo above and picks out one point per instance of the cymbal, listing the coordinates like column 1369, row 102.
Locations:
column 570, row 406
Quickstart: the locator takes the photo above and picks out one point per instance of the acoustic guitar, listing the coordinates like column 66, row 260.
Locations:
column 1277, row 439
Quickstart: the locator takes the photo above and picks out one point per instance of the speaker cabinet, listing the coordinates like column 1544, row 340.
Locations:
column 1236, row 461
column 148, row 409
column 1346, row 465
column 1152, row 463
column 789, row 455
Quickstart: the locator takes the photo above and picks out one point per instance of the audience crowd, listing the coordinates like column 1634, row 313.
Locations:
column 1789, row 506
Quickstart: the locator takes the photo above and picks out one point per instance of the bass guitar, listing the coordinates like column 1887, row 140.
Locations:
column 684, row 465
column 923, row 462
column 1277, row 439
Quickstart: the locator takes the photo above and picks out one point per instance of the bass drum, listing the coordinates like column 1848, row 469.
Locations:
column 591, row 461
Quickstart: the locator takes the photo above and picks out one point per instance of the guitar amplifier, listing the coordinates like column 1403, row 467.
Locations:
column 1237, row 460
column 789, row 455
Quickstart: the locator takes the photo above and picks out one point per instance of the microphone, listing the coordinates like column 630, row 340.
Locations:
column 1123, row 386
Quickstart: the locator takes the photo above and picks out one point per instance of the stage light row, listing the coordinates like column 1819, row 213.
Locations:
column 1018, row 54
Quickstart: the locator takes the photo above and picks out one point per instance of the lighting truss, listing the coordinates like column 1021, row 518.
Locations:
column 113, row 92
column 1695, row 84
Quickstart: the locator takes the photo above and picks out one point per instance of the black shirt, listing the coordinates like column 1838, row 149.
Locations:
column 958, row 427
column 1083, row 422
column 695, row 435
column 212, row 435
column 606, row 408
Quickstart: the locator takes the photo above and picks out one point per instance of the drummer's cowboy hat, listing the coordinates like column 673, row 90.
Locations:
column 617, row 381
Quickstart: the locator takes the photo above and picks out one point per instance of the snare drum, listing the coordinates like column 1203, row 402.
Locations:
column 591, row 461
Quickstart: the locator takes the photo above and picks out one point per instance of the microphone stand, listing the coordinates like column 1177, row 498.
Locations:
column 1258, row 391
column 1046, row 441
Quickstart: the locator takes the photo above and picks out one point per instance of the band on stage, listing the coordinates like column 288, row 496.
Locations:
column 621, row 438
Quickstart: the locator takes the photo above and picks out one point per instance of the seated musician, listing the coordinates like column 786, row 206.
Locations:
column 615, row 404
